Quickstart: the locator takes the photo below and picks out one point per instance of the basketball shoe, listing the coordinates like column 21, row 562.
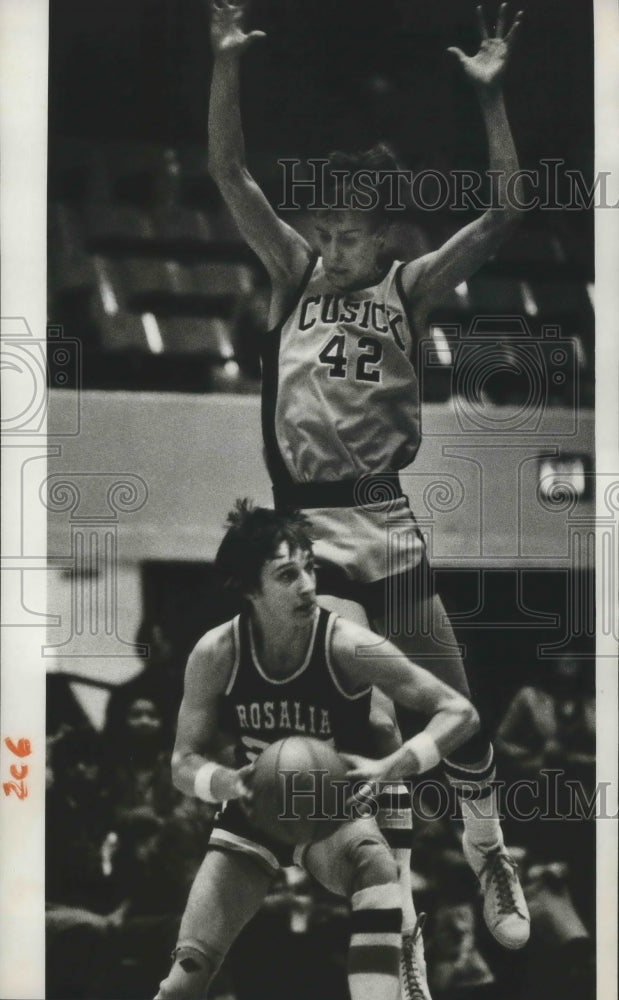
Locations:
column 505, row 909
column 413, row 980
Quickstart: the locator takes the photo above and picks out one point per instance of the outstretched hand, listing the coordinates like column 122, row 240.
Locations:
column 227, row 34
column 487, row 67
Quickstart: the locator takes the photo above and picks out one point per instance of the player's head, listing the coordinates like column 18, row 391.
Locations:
column 267, row 555
column 351, row 238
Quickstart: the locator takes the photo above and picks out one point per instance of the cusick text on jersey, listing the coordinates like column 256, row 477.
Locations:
column 366, row 314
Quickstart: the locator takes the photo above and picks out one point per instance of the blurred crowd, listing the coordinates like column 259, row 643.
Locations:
column 122, row 849
column 123, row 846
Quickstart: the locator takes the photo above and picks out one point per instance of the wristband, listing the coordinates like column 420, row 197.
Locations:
column 425, row 750
column 203, row 780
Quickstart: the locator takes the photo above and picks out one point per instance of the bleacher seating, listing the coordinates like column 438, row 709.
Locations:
column 117, row 229
column 71, row 270
column 208, row 336
column 148, row 269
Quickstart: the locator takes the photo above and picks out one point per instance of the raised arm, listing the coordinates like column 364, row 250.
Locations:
column 199, row 739
column 428, row 279
column 451, row 717
column 284, row 253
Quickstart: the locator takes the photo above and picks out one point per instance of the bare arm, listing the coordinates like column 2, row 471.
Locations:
column 427, row 280
column 451, row 717
column 198, row 736
column 284, row 253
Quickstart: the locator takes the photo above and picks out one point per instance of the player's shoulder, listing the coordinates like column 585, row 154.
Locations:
column 347, row 636
column 215, row 651
column 347, row 639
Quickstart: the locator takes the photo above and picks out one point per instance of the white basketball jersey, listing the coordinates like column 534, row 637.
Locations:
column 341, row 397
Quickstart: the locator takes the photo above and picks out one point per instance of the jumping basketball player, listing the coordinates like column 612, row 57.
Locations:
column 286, row 667
column 341, row 400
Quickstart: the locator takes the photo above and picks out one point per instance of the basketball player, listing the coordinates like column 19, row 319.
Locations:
column 341, row 401
column 285, row 666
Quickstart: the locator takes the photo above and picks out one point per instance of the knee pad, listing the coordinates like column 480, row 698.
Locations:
column 191, row 973
column 372, row 864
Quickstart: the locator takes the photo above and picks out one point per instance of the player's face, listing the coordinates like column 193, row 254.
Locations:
column 350, row 245
column 287, row 587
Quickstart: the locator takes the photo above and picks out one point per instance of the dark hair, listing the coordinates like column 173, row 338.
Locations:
column 122, row 698
column 253, row 537
column 379, row 159
column 72, row 745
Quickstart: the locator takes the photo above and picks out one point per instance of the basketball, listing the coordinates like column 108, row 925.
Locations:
column 296, row 795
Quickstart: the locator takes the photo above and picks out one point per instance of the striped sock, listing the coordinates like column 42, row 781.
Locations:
column 473, row 784
column 395, row 821
column 375, row 943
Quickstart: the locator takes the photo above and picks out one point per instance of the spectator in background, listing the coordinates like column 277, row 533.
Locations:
column 551, row 725
column 138, row 776
column 456, row 968
column 160, row 676
column 151, row 868
column 82, row 900
column 136, row 752
column 561, row 959
column 160, row 834
column 78, row 818
column 450, row 895
column 123, row 846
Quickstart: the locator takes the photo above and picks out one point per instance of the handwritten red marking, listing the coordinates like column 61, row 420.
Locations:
column 22, row 749
column 18, row 771
column 20, row 789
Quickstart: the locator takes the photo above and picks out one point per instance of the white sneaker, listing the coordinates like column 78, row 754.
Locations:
column 413, row 981
column 505, row 909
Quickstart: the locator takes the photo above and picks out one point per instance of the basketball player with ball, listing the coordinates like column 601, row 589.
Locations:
column 340, row 399
column 288, row 684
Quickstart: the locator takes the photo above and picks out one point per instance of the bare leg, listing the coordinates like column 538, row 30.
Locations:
column 227, row 891
column 425, row 634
